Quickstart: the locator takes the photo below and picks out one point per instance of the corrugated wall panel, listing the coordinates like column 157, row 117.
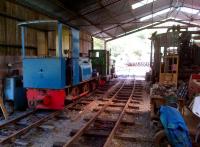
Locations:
column 10, row 37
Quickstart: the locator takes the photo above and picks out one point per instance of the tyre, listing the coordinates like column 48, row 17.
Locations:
column 160, row 139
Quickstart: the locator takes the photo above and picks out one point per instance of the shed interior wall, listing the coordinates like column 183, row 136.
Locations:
column 35, row 42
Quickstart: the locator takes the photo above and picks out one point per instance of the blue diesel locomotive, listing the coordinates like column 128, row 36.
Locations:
column 50, row 80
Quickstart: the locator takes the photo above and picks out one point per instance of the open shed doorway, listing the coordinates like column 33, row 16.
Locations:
column 131, row 54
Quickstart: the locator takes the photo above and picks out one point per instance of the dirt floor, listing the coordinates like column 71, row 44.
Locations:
column 58, row 129
column 141, row 133
column 191, row 120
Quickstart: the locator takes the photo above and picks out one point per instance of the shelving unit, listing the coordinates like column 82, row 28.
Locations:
column 169, row 69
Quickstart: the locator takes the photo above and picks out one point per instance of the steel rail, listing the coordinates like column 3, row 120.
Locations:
column 81, row 131
column 103, row 96
column 108, row 140
column 13, row 120
column 35, row 124
column 40, row 121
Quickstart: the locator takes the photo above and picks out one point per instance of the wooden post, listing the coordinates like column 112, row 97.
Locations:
column 5, row 113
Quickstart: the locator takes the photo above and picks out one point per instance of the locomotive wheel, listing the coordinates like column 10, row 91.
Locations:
column 86, row 87
column 32, row 103
column 75, row 91
column 160, row 139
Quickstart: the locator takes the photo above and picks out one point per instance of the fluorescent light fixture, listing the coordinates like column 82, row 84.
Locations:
column 189, row 10
column 155, row 14
column 142, row 3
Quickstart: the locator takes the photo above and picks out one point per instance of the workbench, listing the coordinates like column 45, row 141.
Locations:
column 157, row 101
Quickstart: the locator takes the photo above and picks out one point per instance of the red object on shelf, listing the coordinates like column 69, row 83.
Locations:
column 195, row 76
column 46, row 99
column 194, row 85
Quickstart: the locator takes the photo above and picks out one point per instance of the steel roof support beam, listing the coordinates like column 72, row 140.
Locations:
column 186, row 23
column 83, row 17
column 141, row 12
column 139, row 29
column 109, row 13
column 152, row 27
column 56, row 9
column 86, row 19
column 93, row 11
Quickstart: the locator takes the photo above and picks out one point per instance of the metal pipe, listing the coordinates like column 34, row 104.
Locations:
column 23, row 41
column 151, row 53
column 59, row 39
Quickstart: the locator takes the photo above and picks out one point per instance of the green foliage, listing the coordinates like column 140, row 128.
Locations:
column 137, row 53
column 141, row 36
column 98, row 43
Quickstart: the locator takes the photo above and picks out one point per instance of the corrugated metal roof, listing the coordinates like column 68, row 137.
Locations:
column 109, row 18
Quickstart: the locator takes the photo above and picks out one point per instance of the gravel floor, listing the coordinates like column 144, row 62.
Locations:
column 58, row 129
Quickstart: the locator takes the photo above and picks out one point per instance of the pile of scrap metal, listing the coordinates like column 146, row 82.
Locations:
column 168, row 95
column 168, row 123
column 176, row 42
column 163, row 90
column 162, row 95
column 184, row 91
column 171, row 129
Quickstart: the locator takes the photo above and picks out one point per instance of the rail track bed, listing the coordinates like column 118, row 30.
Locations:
column 120, row 119
column 113, row 115
column 13, row 132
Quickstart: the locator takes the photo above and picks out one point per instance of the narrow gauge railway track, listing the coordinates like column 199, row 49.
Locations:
column 20, row 125
column 99, row 128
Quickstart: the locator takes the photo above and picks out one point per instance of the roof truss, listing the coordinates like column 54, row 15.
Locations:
column 111, row 18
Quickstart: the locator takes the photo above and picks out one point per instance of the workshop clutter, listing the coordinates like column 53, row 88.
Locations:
column 163, row 90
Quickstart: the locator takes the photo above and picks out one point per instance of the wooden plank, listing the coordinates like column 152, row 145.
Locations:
column 21, row 142
column 85, row 42
column 75, row 108
column 2, row 5
column 8, row 25
column 114, row 105
column 138, row 93
column 134, row 107
column 84, row 102
column 137, row 99
column 98, row 133
column 2, row 30
column 66, row 45
column 135, row 102
column 5, row 113
column 108, row 110
column 119, row 101
column 130, row 137
column 42, row 43
column 132, row 112
column 124, row 121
